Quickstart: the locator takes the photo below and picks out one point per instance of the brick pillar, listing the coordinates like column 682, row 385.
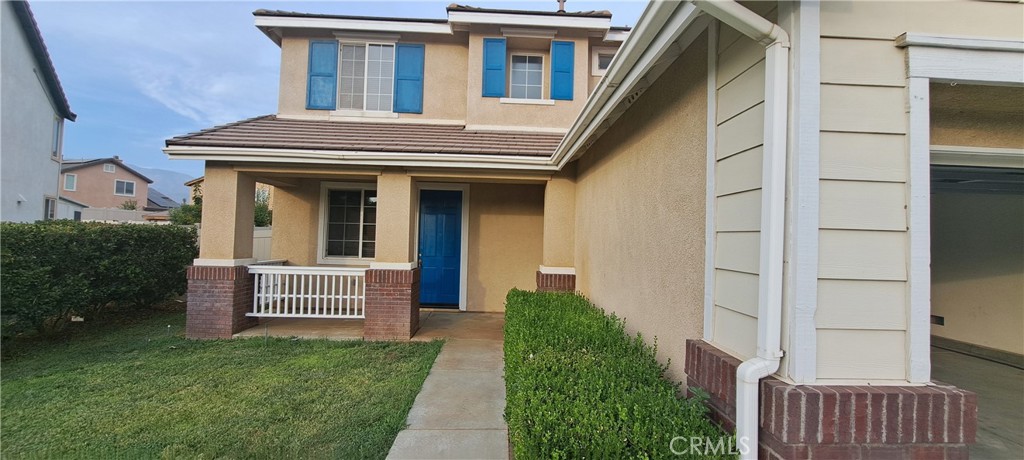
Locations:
column 218, row 299
column 840, row 421
column 551, row 282
column 392, row 304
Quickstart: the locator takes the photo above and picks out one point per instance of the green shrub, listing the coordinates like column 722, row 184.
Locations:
column 579, row 387
column 50, row 269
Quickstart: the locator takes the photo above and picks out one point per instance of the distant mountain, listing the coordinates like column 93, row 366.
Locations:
column 171, row 183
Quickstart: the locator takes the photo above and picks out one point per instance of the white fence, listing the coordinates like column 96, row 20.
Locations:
column 261, row 237
column 308, row 292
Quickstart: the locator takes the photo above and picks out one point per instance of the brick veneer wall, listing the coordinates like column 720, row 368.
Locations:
column 218, row 299
column 392, row 304
column 556, row 283
column 840, row 421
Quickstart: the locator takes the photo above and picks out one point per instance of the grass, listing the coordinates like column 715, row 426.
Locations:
column 135, row 388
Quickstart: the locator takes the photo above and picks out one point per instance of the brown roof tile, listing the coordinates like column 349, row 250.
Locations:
column 270, row 132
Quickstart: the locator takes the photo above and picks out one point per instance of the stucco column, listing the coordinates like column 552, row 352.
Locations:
column 557, row 271
column 393, row 280
column 220, row 288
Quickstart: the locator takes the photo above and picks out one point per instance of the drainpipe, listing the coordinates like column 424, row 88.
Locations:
column 769, row 307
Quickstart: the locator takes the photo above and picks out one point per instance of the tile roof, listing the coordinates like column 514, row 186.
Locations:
column 296, row 14
column 270, row 132
column 585, row 14
column 39, row 51
column 71, row 165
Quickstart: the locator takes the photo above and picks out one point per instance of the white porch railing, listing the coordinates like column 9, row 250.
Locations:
column 308, row 292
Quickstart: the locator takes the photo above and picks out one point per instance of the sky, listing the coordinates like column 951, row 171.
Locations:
column 139, row 72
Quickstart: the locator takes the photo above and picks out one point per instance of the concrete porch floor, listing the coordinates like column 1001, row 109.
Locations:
column 434, row 324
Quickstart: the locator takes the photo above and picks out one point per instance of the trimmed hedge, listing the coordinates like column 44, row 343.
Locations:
column 579, row 387
column 49, row 270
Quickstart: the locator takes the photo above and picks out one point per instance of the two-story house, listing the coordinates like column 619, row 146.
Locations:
column 32, row 128
column 796, row 199
column 410, row 150
column 105, row 183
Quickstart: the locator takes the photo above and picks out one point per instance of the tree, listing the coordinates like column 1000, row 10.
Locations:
column 263, row 216
column 130, row 205
column 190, row 214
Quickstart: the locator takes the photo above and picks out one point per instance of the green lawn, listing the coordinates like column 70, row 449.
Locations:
column 137, row 389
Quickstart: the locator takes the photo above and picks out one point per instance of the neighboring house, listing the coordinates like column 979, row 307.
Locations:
column 32, row 128
column 773, row 193
column 69, row 209
column 104, row 183
column 158, row 201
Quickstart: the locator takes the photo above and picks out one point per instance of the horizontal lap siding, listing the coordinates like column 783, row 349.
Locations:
column 861, row 313
column 740, row 76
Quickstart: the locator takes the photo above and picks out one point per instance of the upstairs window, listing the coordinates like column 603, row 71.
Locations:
column 58, row 134
column 600, row 59
column 124, row 187
column 70, row 182
column 527, row 76
column 366, row 77
column 108, row 168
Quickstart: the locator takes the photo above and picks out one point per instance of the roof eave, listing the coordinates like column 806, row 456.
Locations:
column 39, row 52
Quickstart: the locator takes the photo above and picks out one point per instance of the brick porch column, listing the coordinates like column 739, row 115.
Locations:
column 392, row 304
column 393, row 280
column 220, row 288
column 840, row 421
column 557, row 271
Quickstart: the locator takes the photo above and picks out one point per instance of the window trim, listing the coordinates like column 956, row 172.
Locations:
column 49, row 208
column 543, row 72
column 58, row 137
column 366, row 63
column 595, row 52
column 109, row 168
column 74, row 186
column 126, row 187
column 321, row 246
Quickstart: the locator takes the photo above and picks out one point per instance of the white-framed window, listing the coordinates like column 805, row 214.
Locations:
column 109, row 168
column 526, row 76
column 58, row 135
column 124, row 187
column 348, row 222
column 600, row 59
column 366, row 78
column 49, row 208
column 70, row 182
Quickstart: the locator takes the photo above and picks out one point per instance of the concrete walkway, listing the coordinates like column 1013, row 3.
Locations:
column 459, row 413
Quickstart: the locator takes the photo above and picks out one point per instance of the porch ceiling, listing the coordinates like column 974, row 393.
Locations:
column 270, row 132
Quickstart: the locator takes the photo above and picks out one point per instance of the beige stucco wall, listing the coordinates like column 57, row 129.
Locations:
column 560, row 219
column 444, row 80
column 506, row 231
column 977, row 116
column 978, row 268
column 96, row 188
column 491, row 112
column 296, row 216
column 227, row 219
column 640, row 212
column 863, row 241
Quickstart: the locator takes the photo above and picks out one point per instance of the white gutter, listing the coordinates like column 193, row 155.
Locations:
column 773, row 201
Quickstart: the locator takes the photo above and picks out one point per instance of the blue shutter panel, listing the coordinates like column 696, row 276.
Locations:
column 321, row 89
column 562, row 57
column 494, row 67
column 408, row 78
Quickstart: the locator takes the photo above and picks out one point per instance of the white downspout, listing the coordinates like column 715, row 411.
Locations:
column 773, row 200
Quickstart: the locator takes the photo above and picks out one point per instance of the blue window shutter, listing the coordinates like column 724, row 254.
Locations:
column 322, row 87
column 494, row 67
column 408, row 78
column 561, row 70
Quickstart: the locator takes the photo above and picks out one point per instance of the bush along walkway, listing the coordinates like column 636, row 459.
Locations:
column 580, row 387
column 458, row 413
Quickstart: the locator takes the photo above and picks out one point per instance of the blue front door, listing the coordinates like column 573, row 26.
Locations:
column 440, row 248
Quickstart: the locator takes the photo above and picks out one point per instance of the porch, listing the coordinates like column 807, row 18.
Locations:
column 434, row 324
column 361, row 249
